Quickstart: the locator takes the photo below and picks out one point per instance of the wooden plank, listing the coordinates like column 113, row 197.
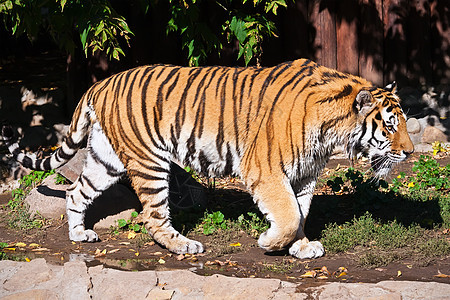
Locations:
column 440, row 42
column 296, row 32
column 371, row 41
column 395, row 51
column 347, row 36
column 323, row 19
column 418, row 43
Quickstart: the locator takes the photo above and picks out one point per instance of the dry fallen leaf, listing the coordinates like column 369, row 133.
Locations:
column 40, row 249
column 399, row 273
column 440, row 275
column 124, row 243
column 156, row 253
column 99, row 253
column 180, row 257
column 21, row 245
column 235, row 244
column 137, row 253
column 341, row 274
column 221, row 263
column 10, row 249
column 131, row 235
column 33, row 245
column 322, row 277
column 161, row 261
column 113, row 251
column 309, row 274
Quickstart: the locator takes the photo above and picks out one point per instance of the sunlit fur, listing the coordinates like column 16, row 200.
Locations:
column 274, row 127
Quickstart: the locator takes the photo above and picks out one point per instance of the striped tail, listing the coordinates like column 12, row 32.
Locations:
column 72, row 142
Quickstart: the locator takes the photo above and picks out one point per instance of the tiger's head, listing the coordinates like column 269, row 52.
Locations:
column 381, row 133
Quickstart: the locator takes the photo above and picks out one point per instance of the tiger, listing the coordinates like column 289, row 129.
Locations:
column 274, row 127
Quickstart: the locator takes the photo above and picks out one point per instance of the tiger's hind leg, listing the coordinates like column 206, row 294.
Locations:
column 150, row 180
column 101, row 170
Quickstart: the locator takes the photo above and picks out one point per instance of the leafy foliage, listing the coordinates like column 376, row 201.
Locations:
column 429, row 174
column 19, row 216
column 95, row 21
column 253, row 226
column 212, row 222
column 203, row 26
column 131, row 224
column 248, row 22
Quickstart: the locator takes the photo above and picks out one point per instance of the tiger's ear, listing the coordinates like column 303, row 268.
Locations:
column 363, row 101
column 391, row 87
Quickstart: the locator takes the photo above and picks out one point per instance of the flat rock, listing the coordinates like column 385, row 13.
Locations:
column 74, row 280
column 48, row 199
column 115, row 284
column 432, row 134
column 189, row 285
column 413, row 125
column 29, row 276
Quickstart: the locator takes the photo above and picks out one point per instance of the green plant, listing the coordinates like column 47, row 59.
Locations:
column 3, row 255
column 434, row 247
column 131, row 224
column 365, row 231
column 439, row 147
column 35, row 178
column 253, row 226
column 97, row 24
column 211, row 222
column 19, row 216
column 61, row 179
column 248, row 22
column 429, row 174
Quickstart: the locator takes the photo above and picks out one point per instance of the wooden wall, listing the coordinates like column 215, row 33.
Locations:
column 381, row 40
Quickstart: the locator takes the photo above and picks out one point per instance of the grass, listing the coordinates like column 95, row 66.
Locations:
column 381, row 243
column 19, row 216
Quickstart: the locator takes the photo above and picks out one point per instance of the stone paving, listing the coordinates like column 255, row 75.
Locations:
column 39, row 280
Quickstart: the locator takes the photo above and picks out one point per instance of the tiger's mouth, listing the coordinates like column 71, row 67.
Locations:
column 383, row 164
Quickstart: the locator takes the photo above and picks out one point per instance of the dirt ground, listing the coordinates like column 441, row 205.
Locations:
column 245, row 260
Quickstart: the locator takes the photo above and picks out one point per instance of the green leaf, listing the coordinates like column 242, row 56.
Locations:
column 238, row 28
column 99, row 28
column 121, row 223
column 63, row 3
column 83, row 37
column 135, row 227
column 134, row 214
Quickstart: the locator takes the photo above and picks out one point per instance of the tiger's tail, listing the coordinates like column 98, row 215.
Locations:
column 74, row 139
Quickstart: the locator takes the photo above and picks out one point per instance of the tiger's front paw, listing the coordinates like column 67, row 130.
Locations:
column 83, row 236
column 305, row 249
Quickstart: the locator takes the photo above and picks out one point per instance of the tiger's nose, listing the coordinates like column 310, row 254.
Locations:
column 408, row 150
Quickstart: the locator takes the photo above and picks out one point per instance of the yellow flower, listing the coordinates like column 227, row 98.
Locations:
column 411, row 184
